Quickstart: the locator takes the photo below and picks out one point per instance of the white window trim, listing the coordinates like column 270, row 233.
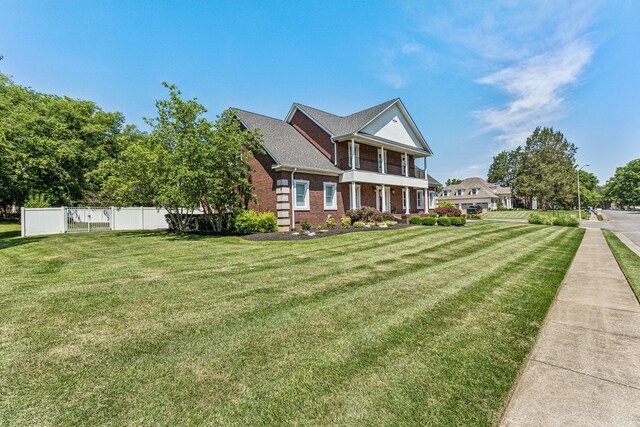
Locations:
column 358, row 200
column 295, row 196
column 334, row 207
column 404, row 199
column 420, row 199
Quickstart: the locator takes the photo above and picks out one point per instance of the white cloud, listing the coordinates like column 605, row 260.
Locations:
column 533, row 53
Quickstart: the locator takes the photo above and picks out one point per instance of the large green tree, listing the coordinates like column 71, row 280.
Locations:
column 49, row 143
column 452, row 181
column 624, row 187
column 184, row 163
column 547, row 169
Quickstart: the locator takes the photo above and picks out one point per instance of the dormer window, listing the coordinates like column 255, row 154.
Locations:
column 445, row 193
column 475, row 191
column 460, row 192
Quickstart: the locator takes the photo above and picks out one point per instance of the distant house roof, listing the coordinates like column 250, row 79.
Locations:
column 485, row 190
column 284, row 144
column 342, row 125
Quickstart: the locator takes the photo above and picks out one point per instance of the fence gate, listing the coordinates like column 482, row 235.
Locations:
column 88, row 219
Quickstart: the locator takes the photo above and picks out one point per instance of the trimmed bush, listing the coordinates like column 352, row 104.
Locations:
column 358, row 224
column 433, row 215
column 447, row 211
column 416, row 220
column 250, row 221
column 305, row 226
column 457, row 221
column 429, row 220
column 444, row 221
column 330, row 223
column 345, row 222
column 390, row 223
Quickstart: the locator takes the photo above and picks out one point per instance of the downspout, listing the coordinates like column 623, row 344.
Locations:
column 293, row 210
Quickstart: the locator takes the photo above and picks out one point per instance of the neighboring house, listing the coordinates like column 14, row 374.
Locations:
column 318, row 164
column 476, row 191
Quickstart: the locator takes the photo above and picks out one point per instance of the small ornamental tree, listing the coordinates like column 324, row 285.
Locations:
column 186, row 162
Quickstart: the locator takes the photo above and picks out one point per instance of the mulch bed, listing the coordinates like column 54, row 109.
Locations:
column 288, row 235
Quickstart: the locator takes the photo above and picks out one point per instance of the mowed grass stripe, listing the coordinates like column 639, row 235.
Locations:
column 263, row 354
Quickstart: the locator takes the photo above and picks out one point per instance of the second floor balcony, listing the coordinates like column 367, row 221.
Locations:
column 380, row 167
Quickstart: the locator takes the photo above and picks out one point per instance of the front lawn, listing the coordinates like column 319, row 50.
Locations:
column 422, row 325
column 627, row 259
column 525, row 214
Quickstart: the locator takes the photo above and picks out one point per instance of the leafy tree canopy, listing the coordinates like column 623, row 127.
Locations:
column 453, row 181
column 624, row 187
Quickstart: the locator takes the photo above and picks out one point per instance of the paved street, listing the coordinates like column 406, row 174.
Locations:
column 584, row 369
column 625, row 224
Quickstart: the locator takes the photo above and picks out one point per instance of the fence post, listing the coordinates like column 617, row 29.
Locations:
column 23, row 226
column 141, row 217
column 112, row 224
column 64, row 219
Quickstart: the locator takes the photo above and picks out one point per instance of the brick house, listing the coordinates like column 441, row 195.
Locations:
column 318, row 164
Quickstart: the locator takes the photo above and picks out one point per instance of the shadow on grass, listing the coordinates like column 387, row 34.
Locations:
column 11, row 239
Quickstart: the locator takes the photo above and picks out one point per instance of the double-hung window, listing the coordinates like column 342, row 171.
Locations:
column 330, row 198
column 460, row 192
column 301, row 189
column 404, row 199
column 420, row 198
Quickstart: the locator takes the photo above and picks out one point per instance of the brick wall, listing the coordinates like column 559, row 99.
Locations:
column 316, row 213
column 314, row 133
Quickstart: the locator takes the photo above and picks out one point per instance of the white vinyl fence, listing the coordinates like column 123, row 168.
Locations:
column 36, row 221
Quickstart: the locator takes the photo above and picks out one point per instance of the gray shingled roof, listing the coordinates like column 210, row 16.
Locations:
column 433, row 181
column 285, row 144
column 342, row 125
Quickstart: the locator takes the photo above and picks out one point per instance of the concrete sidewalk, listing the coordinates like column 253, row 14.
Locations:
column 585, row 367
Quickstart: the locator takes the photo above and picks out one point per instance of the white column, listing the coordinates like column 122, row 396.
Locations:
column 353, row 154
column 406, row 191
column 353, row 195
column 426, row 199
column 383, row 167
column 383, row 199
column 406, row 164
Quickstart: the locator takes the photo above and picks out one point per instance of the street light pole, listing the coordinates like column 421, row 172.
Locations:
column 579, row 208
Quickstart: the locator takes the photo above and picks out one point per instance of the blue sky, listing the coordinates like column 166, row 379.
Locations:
column 477, row 78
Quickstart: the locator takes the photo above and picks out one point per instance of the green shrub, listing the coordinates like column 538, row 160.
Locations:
column 600, row 217
column 536, row 219
column 560, row 221
column 444, row 221
column 390, row 223
column 429, row 220
column 305, row 226
column 433, row 215
column 330, row 223
column 446, row 203
column 38, row 200
column 345, row 222
column 572, row 222
column 358, row 224
column 256, row 222
column 415, row 220
column 458, row 221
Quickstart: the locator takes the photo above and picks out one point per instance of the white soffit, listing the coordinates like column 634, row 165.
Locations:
column 393, row 125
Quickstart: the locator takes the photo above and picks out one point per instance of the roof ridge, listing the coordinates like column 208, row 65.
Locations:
column 391, row 101
column 348, row 115
column 257, row 114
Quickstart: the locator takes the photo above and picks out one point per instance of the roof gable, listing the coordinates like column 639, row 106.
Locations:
column 392, row 124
